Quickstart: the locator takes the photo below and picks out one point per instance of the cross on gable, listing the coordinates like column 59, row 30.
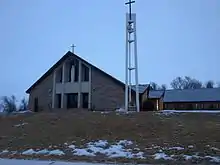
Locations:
column 73, row 46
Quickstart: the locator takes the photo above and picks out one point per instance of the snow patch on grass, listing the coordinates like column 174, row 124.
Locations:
column 43, row 152
column 19, row 125
column 213, row 159
column 215, row 149
column 4, row 152
column 176, row 148
column 190, row 146
column 28, row 152
column 82, row 152
column 162, row 155
column 56, row 152
column 187, row 157
column 72, row 146
column 116, row 150
column 167, row 112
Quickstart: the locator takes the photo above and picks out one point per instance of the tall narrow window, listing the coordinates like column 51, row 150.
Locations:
column 58, row 100
column 59, row 75
column 85, row 100
column 36, row 108
column 85, row 73
column 76, row 75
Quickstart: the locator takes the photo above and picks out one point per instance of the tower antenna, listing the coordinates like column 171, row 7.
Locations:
column 131, row 42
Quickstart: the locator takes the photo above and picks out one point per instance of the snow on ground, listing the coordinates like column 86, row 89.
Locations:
column 213, row 159
column 215, row 149
column 19, row 125
column 20, row 112
column 103, row 147
column 4, row 152
column 161, row 155
column 190, row 146
column 43, row 152
column 167, row 112
column 122, row 149
column 176, row 148
column 37, row 162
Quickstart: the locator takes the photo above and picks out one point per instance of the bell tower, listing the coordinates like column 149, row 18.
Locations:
column 131, row 61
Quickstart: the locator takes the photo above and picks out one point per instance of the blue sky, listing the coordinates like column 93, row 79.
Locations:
column 175, row 38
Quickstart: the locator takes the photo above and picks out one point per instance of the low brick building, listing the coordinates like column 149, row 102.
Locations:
column 183, row 99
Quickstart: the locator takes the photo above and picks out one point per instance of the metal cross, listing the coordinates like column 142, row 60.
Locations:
column 129, row 3
column 73, row 46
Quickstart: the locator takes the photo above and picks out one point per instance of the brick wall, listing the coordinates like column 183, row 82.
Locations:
column 43, row 92
column 106, row 93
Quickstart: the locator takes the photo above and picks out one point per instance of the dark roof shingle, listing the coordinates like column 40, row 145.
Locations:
column 192, row 95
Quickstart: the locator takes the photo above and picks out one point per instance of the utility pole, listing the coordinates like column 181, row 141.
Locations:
column 131, row 42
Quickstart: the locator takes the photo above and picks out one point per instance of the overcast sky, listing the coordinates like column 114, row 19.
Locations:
column 175, row 38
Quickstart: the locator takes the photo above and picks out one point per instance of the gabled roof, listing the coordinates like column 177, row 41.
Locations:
column 66, row 56
column 142, row 87
column 156, row 94
column 192, row 95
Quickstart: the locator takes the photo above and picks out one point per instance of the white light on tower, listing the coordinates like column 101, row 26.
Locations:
column 131, row 64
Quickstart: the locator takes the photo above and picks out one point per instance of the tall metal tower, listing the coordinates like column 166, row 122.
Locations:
column 131, row 61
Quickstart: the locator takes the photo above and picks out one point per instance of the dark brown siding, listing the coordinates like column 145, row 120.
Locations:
column 193, row 105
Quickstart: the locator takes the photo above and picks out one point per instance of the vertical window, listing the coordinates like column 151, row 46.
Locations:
column 76, row 75
column 58, row 100
column 197, row 106
column 36, row 108
column 157, row 102
column 202, row 106
column 85, row 73
column 59, row 75
column 85, row 100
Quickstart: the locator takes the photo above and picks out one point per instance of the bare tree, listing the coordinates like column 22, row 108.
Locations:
column 9, row 104
column 23, row 105
column 154, row 86
column 209, row 84
column 177, row 83
column 163, row 87
column 185, row 83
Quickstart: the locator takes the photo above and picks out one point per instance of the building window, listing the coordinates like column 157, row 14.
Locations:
column 202, row 106
column 215, row 106
column 72, row 100
column 71, row 72
column 85, row 100
column 76, row 75
column 58, row 100
column 85, row 73
column 59, row 75
column 157, row 104
column 36, row 107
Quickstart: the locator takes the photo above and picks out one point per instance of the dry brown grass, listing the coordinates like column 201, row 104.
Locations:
column 146, row 129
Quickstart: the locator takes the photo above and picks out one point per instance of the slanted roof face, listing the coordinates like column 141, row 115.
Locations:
column 142, row 87
column 155, row 94
column 65, row 57
column 192, row 95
